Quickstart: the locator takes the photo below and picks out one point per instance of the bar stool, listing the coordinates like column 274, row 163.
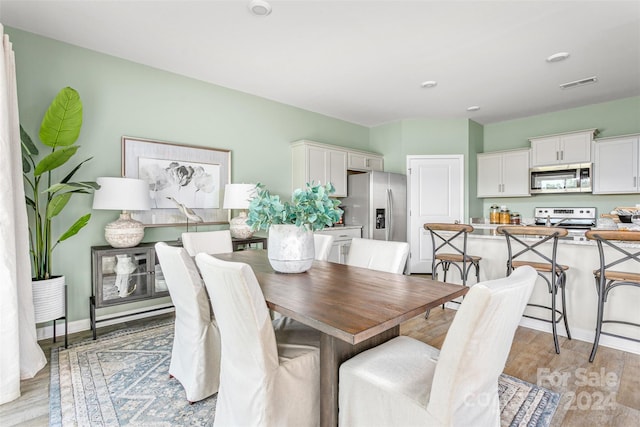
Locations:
column 608, row 279
column 517, row 246
column 460, row 259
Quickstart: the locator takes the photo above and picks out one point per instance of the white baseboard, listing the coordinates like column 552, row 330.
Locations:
column 106, row 320
column 577, row 334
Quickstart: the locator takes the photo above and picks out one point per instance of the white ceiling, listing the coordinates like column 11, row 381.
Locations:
column 364, row 61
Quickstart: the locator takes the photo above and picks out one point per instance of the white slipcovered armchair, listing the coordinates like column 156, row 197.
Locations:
column 405, row 382
column 209, row 242
column 381, row 255
column 195, row 357
column 263, row 381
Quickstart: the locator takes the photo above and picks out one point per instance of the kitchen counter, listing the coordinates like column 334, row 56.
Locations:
column 488, row 231
column 581, row 256
column 343, row 227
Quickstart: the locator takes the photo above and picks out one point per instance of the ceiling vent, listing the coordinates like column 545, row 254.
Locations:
column 580, row 82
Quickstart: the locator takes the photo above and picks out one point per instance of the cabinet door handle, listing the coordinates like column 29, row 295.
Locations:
column 562, row 155
column 557, row 155
column 366, row 162
column 635, row 180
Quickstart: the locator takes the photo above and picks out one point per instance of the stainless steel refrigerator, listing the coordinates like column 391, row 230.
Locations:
column 378, row 202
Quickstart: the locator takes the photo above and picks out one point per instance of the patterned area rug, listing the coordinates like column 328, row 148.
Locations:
column 122, row 379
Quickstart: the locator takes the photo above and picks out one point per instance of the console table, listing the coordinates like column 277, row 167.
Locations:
column 125, row 275
column 240, row 244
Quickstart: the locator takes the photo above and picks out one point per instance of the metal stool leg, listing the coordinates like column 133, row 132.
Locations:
column 600, row 288
column 564, row 304
column 554, row 325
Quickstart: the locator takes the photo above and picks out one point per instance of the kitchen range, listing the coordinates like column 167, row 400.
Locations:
column 576, row 220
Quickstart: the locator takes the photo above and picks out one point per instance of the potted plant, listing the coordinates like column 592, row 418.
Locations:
column 46, row 198
column 291, row 224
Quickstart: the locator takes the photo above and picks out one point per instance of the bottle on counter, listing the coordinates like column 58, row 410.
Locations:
column 505, row 215
column 515, row 218
column 494, row 214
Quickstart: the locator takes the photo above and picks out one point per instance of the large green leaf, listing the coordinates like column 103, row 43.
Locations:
column 77, row 226
column 73, row 171
column 57, row 203
column 55, row 160
column 28, row 149
column 62, row 121
column 73, row 187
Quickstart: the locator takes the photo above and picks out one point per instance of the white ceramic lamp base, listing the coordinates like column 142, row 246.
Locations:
column 124, row 232
column 238, row 227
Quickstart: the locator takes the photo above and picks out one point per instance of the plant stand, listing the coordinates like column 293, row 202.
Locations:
column 50, row 303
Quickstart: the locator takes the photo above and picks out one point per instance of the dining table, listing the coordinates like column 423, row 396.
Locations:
column 354, row 309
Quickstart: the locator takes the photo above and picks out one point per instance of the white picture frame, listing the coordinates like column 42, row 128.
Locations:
column 194, row 176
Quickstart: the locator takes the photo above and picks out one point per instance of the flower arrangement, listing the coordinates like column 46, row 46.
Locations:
column 311, row 207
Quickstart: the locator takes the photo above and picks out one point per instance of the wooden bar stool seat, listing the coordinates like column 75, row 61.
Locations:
column 607, row 279
column 453, row 239
column 540, row 266
column 522, row 240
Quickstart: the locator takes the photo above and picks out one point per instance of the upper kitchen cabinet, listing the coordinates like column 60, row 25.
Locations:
column 361, row 161
column 503, row 174
column 319, row 163
column 565, row 148
column 616, row 161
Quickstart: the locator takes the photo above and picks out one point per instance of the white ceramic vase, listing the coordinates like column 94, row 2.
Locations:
column 48, row 299
column 290, row 248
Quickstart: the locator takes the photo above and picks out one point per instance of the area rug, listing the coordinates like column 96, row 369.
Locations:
column 122, row 379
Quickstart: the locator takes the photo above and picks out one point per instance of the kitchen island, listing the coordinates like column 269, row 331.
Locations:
column 581, row 256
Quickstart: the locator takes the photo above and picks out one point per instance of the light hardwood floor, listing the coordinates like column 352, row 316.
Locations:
column 603, row 393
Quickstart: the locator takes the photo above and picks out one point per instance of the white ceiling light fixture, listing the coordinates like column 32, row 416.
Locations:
column 580, row 82
column 429, row 84
column 557, row 57
column 473, row 108
column 259, row 7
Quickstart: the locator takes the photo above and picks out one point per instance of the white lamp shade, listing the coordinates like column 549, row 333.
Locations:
column 126, row 194
column 238, row 196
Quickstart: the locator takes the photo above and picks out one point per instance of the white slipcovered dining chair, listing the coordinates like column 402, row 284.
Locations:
column 195, row 357
column 209, row 242
column 405, row 382
column 263, row 381
column 322, row 245
column 379, row 255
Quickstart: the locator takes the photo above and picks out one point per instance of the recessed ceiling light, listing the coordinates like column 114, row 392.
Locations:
column 580, row 82
column 259, row 7
column 557, row 57
column 429, row 84
column 473, row 108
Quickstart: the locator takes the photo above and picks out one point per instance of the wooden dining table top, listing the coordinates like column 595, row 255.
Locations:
column 350, row 303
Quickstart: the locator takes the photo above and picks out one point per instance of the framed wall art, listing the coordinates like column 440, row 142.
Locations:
column 192, row 176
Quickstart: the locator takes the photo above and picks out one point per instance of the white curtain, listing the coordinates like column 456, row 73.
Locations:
column 20, row 354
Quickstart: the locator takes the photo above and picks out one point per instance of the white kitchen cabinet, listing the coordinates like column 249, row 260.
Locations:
column 365, row 161
column 616, row 165
column 318, row 163
column 503, row 174
column 342, row 241
column 565, row 148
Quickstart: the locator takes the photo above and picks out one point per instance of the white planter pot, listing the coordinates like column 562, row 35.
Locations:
column 291, row 248
column 48, row 299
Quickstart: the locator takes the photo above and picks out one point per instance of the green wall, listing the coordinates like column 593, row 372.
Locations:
column 125, row 98
column 403, row 138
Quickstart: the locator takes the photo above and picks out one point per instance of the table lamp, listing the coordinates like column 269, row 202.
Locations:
column 238, row 196
column 125, row 194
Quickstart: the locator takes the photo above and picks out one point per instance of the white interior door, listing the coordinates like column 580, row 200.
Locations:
column 435, row 185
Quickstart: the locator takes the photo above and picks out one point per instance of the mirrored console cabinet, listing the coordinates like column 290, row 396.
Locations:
column 123, row 276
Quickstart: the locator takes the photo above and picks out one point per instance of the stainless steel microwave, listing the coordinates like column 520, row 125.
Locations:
column 575, row 178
